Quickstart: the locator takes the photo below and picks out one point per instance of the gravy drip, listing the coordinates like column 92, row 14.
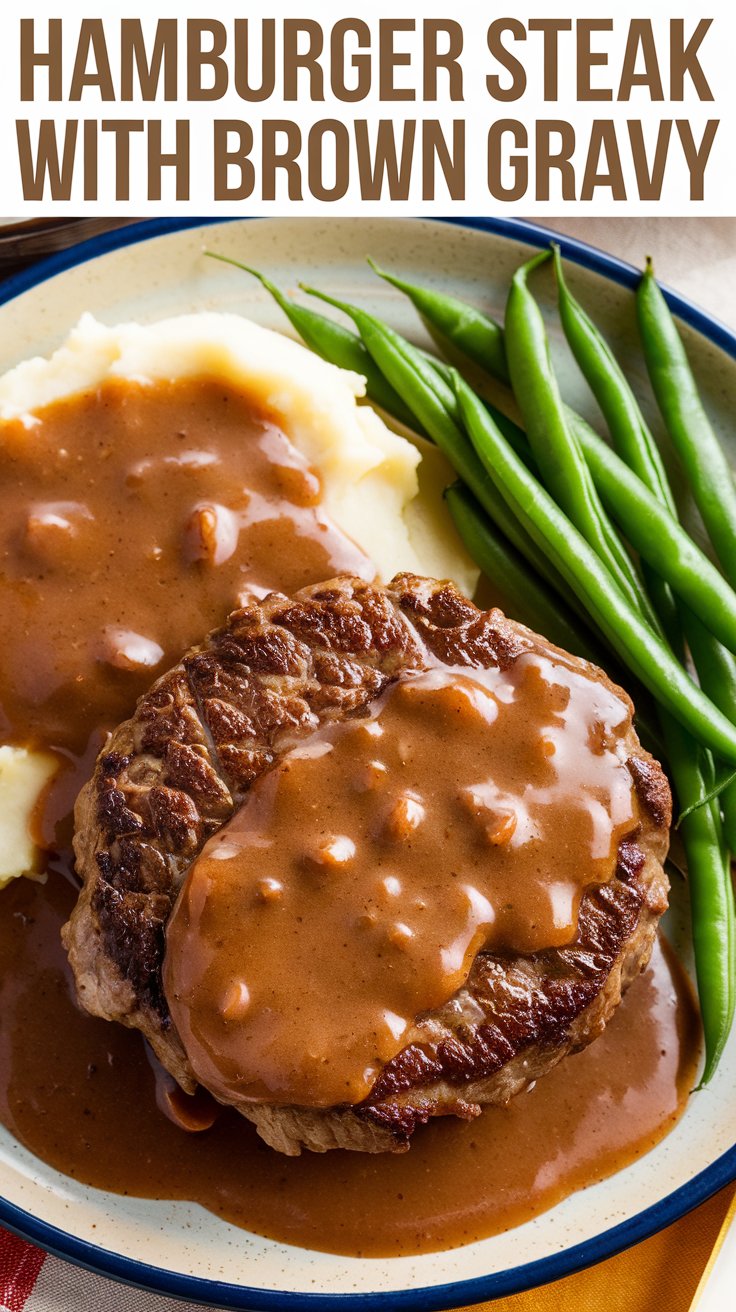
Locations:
column 353, row 889
column 135, row 517
column 110, row 555
column 80, row 1094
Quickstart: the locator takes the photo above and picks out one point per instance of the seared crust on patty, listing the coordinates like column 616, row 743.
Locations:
column 174, row 773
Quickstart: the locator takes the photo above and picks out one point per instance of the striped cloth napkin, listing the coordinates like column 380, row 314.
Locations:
column 33, row 1281
column 663, row 1272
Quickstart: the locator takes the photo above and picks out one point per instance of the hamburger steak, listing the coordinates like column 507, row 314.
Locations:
column 173, row 775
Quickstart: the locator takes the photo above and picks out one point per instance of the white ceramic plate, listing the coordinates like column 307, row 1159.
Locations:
column 157, row 269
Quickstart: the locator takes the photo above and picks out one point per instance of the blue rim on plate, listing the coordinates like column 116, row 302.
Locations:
column 458, row 1293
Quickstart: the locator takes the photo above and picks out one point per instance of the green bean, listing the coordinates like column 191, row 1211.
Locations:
column 709, row 869
column 642, row 650
column 564, row 471
column 339, row 346
column 703, row 458
column 705, row 857
column 711, row 899
column 440, row 312
column 709, row 876
column 648, row 525
column 659, row 538
column 652, row 531
column 700, row 827
column 333, row 343
column 716, row 669
column 521, row 596
column 662, row 675
column 479, row 337
column 709, row 882
column 342, row 347
column 605, row 468
column 661, row 542
column 716, row 666
column 433, row 372
column 626, row 424
column 407, row 370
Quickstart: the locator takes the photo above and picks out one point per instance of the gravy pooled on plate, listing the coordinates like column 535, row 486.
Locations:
column 80, row 1093
column 137, row 516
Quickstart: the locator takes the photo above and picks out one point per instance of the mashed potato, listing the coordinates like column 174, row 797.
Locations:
column 382, row 489
column 23, row 776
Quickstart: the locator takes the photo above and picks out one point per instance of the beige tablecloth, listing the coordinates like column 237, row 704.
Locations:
column 697, row 257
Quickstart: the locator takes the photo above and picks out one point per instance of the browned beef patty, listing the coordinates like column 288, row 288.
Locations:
column 174, row 774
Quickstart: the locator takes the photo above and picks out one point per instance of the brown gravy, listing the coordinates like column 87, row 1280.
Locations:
column 135, row 517
column 112, row 566
column 80, row 1094
column 354, row 888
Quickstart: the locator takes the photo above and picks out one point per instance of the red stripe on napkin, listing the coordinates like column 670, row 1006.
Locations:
column 20, row 1264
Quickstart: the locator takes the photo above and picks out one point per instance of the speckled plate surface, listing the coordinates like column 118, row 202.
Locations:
column 157, row 269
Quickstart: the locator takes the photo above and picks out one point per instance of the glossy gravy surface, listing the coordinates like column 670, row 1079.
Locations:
column 135, row 517
column 354, row 888
column 80, row 1093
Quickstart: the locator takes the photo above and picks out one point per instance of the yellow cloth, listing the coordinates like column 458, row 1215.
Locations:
column 662, row 1272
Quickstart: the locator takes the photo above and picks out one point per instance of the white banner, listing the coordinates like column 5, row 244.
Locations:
column 292, row 107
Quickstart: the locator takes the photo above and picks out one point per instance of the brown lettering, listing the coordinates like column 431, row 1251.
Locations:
column 519, row 163
column 587, row 58
column 380, row 170
column 237, row 155
column 134, row 59
column 90, row 158
column 684, row 60
column 308, row 60
column 122, row 130
column 649, row 182
column 92, row 42
column 178, row 159
column 241, row 71
column 451, row 160
column 31, row 59
column 315, row 159
column 640, row 37
column 286, row 159
column 49, row 167
column 696, row 157
column 603, row 163
column 361, row 64
column 199, row 59
column 433, row 61
column 550, row 28
column 389, row 59
column 508, row 61
column 548, row 159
